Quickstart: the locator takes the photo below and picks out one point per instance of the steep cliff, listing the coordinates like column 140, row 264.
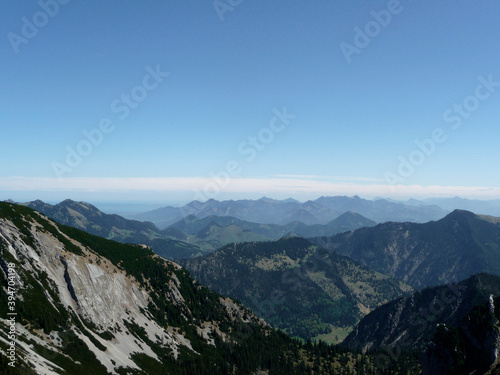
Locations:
column 83, row 304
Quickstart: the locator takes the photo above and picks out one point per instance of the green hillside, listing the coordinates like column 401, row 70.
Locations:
column 297, row 287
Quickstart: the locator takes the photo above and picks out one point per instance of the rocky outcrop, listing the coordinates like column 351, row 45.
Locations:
column 68, row 295
column 100, row 294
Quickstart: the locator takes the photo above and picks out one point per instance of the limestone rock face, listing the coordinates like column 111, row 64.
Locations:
column 92, row 287
column 67, row 294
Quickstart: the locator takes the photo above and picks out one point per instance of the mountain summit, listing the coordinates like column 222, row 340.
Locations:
column 448, row 250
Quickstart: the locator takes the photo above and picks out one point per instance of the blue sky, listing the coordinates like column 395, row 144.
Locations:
column 233, row 99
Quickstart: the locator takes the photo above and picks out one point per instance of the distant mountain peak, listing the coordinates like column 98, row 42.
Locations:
column 350, row 213
column 267, row 199
column 291, row 200
column 450, row 249
column 460, row 214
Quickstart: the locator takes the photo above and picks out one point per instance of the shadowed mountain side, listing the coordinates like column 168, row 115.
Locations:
column 411, row 322
column 448, row 250
column 469, row 347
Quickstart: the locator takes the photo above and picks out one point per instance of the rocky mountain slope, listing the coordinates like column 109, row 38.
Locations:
column 296, row 286
column 75, row 303
column 410, row 322
column 451, row 249
column 85, row 303
column 470, row 347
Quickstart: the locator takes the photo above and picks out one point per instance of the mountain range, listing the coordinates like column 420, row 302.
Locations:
column 75, row 303
column 438, row 252
column 86, row 304
column 272, row 211
column 222, row 230
column 87, row 217
column 190, row 236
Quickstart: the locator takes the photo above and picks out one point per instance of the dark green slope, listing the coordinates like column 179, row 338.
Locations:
column 410, row 322
column 469, row 347
column 294, row 285
column 448, row 250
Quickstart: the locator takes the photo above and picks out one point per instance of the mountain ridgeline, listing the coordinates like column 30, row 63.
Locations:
column 217, row 231
column 190, row 236
column 271, row 211
column 88, row 305
column 87, row 217
column 448, row 250
column 454, row 326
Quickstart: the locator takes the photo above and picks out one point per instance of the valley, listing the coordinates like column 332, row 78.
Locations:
column 296, row 286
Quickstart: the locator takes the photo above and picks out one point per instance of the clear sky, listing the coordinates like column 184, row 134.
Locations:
column 182, row 100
